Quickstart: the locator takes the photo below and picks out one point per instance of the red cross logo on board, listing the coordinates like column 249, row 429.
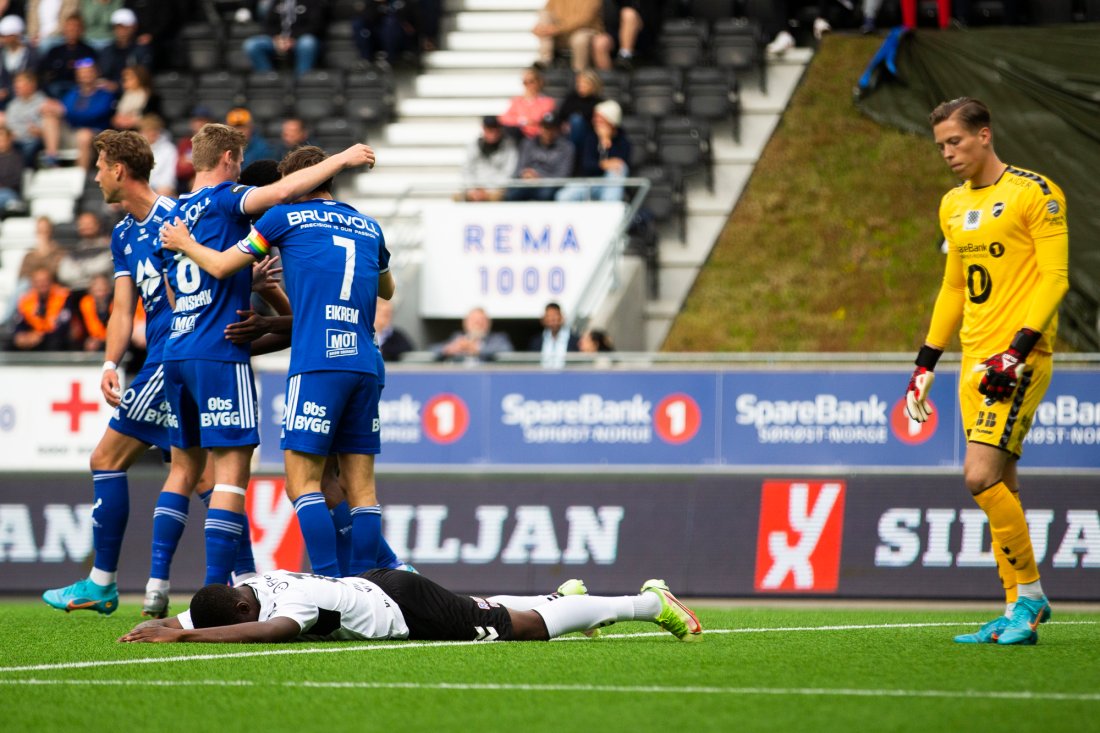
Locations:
column 76, row 407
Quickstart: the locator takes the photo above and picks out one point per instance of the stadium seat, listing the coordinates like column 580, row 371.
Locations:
column 342, row 54
column 202, row 53
column 319, row 94
column 220, row 91
column 640, row 132
column 333, row 134
column 267, row 94
column 369, row 96
column 685, row 143
column 345, row 9
column 616, row 85
column 655, row 92
column 665, row 198
column 736, row 44
column 240, row 31
column 557, row 83
column 712, row 94
column 711, row 11
column 683, row 43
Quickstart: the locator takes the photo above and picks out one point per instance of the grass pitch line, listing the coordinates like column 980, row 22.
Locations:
column 391, row 646
column 621, row 689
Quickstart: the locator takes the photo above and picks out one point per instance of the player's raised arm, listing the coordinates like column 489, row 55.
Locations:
column 301, row 182
column 175, row 237
column 119, row 327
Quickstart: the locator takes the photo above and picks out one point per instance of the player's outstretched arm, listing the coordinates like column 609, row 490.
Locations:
column 119, row 327
column 276, row 630
column 299, row 183
column 175, row 237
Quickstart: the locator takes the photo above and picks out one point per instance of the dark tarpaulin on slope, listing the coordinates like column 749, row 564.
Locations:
column 1043, row 86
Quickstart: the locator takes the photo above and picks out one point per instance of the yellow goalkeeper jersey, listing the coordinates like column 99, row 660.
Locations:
column 1007, row 262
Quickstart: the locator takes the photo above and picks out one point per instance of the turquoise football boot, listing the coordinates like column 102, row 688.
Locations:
column 987, row 634
column 1027, row 616
column 84, row 595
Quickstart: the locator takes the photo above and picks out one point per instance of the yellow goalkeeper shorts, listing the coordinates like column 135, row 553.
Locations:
column 1003, row 424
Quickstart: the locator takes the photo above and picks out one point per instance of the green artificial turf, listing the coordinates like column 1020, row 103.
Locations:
column 757, row 669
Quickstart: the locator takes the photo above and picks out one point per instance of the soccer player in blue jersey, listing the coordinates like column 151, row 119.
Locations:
column 141, row 415
column 209, row 380
column 336, row 265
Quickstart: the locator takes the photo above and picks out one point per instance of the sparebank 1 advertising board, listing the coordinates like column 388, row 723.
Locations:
column 512, row 258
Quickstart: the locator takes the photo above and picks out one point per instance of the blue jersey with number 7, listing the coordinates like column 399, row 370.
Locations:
column 331, row 256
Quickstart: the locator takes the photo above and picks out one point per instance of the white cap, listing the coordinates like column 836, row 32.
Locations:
column 123, row 16
column 610, row 110
column 11, row 25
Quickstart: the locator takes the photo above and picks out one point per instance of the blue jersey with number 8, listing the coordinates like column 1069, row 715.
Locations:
column 205, row 305
column 332, row 256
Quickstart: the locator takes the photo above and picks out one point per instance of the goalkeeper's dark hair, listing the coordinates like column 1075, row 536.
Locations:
column 215, row 605
column 972, row 113
column 260, row 173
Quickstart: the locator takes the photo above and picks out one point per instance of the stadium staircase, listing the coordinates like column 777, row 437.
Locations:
column 484, row 47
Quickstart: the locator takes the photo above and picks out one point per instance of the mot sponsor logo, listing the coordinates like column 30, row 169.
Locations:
column 799, row 538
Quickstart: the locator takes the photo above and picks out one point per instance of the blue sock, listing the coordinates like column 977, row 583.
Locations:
column 110, row 512
column 341, row 522
column 316, row 525
column 223, row 535
column 387, row 558
column 169, row 521
column 366, row 529
column 204, row 497
column 245, row 562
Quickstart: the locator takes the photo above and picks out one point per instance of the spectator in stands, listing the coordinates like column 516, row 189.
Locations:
column 550, row 155
column 291, row 29
column 162, row 178
column 98, row 16
column 384, row 29
column 47, row 252
column 185, row 169
column 11, row 175
column 43, row 318
column 490, row 162
column 125, row 50
column 428, row 23
column 158, row 26
column 595, row 341
column 604, row 153
column 576, row 24
column 90, row 257
column 392, row 341
column 625, row 21
column 257, row 148
column 45, row 19
column 555, row 340
column 527, row 110
column 94, row 310
column 15, row 55
column 57, row 68
column 34, row 121
column 88, row 110
column 137, row 99
column 575, row 111
column 295, row 134
column 476, row 342
column 777, row 19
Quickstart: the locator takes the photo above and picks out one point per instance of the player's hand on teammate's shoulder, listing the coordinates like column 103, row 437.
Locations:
column 359, row 155
column 174, row 235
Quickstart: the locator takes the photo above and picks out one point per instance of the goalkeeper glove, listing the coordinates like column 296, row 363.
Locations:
column 917, row 405
column 1003, row 371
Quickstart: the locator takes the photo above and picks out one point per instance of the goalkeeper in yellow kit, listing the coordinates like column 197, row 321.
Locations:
column 1007, row 270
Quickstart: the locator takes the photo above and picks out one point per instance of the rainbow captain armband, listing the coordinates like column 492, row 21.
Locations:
column 255, row 244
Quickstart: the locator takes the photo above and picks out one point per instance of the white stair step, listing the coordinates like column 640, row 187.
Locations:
column 502, row 21
column 455, row 6
column 452, row 107
column 18, row 232
column 57, row 209
column 469, row 85
column 419, row 157
column 57, row 182
column 431, row 133
column 463, row 60
column 504, row 41
column 433, row 184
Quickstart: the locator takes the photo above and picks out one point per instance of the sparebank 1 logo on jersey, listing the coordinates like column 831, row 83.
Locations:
column 799, row 539
column 908, row 430
column 445, row 418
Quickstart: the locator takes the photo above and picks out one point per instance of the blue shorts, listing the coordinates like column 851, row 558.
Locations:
column 144, row 412
column 213, row 404
column 332, row 412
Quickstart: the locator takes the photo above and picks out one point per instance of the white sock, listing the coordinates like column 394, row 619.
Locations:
column 580, row 613
column 1031, row 591
column 523, row 603
column 160, row 584
column 102, row 577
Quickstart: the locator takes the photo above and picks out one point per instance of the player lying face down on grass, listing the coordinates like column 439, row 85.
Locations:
column 381, row 604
